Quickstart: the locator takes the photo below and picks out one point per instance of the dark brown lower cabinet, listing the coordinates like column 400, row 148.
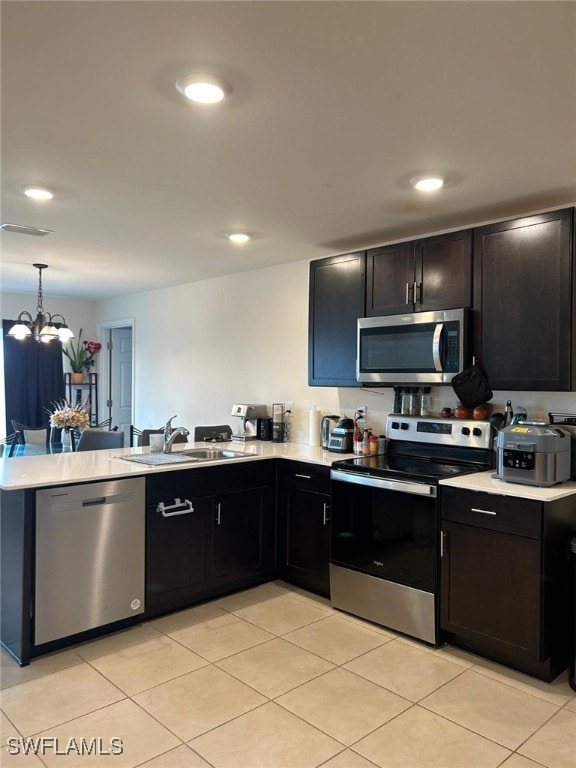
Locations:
column 505, row 578
column 201, row 542
column 178, row 552
column 304, row 526
column 243, row 534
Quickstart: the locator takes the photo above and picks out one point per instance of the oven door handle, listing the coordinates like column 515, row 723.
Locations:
column 421, row 489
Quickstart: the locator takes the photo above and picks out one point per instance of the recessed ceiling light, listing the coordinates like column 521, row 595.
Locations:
column 204, row 88
column 39, row 193
column 428, row 183
column 238, row 237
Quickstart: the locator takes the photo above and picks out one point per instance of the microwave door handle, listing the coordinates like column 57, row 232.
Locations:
column 436, row 339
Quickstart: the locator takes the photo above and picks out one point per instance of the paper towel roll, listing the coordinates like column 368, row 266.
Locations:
column 314, row 424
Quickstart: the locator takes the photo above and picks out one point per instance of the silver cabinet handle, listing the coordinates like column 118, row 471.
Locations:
column 218, row 510
column 483, row 511
column 326, row 518
column 305, row 477
column 442, row 540
column 417, row 292
column 178, row 508
column 408, row 294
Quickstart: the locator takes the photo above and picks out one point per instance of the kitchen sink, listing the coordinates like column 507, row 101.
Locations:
column 212, row 454
column 184, row 457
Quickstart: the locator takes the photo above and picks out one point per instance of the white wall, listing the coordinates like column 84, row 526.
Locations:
column 201, row 347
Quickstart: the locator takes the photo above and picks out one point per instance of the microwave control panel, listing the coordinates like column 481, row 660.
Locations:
column 452, row 348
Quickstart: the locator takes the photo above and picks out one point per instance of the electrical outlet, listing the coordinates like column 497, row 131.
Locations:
column 362, row 411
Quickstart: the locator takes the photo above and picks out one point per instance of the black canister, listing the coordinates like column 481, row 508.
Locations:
column 265, row 431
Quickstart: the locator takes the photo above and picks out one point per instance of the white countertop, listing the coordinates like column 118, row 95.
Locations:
column 485, row 482
column 20, row 472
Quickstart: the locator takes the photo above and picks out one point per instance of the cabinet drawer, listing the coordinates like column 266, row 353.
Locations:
column 313, row 477
column 486, row 510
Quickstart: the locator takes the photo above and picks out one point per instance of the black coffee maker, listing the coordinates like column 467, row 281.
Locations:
column 265, row 428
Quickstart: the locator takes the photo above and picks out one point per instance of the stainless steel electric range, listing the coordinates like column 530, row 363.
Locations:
column 385, row 559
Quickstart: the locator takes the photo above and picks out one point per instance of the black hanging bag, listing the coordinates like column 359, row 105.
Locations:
column 471, row 386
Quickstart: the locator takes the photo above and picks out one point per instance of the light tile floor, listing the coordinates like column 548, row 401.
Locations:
column 273, row 677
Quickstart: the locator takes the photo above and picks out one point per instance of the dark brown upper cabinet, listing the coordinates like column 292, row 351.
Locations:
column 523, row 302
column 420, row 275
column 337, row 286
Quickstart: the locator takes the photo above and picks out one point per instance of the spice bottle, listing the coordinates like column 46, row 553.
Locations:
column 366, row 443
column 414, row 401
column 425, row 401
column 357, row 441
column 406, row 401
column 373, row 444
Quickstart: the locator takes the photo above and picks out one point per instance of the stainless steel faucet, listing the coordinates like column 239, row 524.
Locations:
column 170, row 434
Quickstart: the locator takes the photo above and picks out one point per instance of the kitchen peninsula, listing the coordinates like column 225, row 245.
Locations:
column 221, row 537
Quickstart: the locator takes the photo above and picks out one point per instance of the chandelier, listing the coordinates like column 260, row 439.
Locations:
column 44, row 327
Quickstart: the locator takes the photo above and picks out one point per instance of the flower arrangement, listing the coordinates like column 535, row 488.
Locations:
column 82, row 357
column 66, row 416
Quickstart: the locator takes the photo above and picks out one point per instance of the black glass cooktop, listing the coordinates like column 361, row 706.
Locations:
column 404, row 467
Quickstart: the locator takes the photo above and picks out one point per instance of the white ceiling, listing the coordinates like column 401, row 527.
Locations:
column 335, row 106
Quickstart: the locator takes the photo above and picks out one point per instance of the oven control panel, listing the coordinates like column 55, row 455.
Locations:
column 425, row 429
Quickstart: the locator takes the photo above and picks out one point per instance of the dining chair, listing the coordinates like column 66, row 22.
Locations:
column 106, row 424
column 26, row 434
column 135, row 435
column 213, row 433
column 94, row 439
column 8, row 444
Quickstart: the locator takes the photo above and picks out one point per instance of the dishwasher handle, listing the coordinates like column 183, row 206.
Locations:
column 99, row 501
column 178, row 508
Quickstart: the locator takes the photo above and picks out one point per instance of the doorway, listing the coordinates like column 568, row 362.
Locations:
column 118, row 380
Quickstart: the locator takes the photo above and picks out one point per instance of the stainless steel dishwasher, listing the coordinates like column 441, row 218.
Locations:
column 90, row 549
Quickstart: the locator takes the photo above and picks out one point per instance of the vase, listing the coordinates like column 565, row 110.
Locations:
column 77, row 378
column 66, row 439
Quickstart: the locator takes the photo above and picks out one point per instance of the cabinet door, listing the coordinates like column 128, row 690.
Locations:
column 336, row 302
column 244, row 532
column 491, row 591
column 305, row 539
column 178, row 553
column 443, row 272
column 390, row 279
column 522, row 301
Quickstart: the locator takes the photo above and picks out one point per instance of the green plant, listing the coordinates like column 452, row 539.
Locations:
column 82, row 356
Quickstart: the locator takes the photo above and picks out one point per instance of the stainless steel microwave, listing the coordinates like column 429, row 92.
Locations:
column 418, row 347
